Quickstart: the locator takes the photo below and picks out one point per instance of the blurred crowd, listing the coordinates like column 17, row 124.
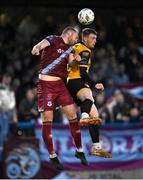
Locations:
column 117, row 61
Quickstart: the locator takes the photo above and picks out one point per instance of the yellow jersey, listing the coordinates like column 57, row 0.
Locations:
column 85, row 53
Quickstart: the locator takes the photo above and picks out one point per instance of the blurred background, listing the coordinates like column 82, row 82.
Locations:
column 118, row 64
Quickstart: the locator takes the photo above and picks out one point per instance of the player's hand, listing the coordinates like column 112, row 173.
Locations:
column 99, row 86
column 71, row 57
column 35, row 51
column 77, row 57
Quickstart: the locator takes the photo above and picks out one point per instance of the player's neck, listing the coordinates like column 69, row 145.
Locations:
column 84, row 43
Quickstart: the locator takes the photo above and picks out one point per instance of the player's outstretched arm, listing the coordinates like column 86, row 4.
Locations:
column 88, row 79
column 85, row 76
column 38, row 47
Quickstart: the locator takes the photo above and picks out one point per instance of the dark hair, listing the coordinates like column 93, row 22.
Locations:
column 69, row 28
column 87, row 32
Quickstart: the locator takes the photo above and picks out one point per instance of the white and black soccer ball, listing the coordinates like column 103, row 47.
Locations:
column 86, row 16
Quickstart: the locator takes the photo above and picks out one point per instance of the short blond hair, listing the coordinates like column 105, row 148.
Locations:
column 69, row 28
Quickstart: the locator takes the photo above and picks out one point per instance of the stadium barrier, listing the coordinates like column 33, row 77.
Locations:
column 27, row 157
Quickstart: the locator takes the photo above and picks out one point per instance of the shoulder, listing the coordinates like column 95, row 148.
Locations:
column 52, row 38
column 77, row 45
column 79, row 48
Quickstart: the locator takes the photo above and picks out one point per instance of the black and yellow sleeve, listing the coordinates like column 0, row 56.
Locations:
column 85, row 76
column 84, row 66
column 85, row 56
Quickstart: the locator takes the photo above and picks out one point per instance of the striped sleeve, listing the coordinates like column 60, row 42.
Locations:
column 51, row 39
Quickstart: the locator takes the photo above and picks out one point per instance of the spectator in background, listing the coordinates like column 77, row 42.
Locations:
column 135, row 114
column 141, row 111
column 49, row 26
column 28, row 112
column 121, row 108
column 8, row 114
column 116, row 31
column 137, row 27
column 121, row 77
column 109, row 88
column 7, row 32
column 129, row 55
column 27, row 30
column 28, row 107
column 99, row 100
column 140, row 49
column 102, row 38
column 118, row 108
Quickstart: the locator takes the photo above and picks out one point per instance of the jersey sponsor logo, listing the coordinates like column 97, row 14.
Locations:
column 60, row 51
column 85, row 54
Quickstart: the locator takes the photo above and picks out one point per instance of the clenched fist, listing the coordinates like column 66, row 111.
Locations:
column 99, row 86
column 35, row 51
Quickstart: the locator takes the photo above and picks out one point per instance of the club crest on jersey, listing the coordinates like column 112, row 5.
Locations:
column 49, row 103
column 60, row 51
column 85, row 54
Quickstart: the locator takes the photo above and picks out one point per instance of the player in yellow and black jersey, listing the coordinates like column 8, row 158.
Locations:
column 80, row 84
column 78, row 78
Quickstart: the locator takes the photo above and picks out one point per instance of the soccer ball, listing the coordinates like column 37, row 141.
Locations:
column 86, row 16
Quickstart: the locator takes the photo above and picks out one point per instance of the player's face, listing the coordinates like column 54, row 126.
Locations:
column 91, row 40
column 73, row 38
